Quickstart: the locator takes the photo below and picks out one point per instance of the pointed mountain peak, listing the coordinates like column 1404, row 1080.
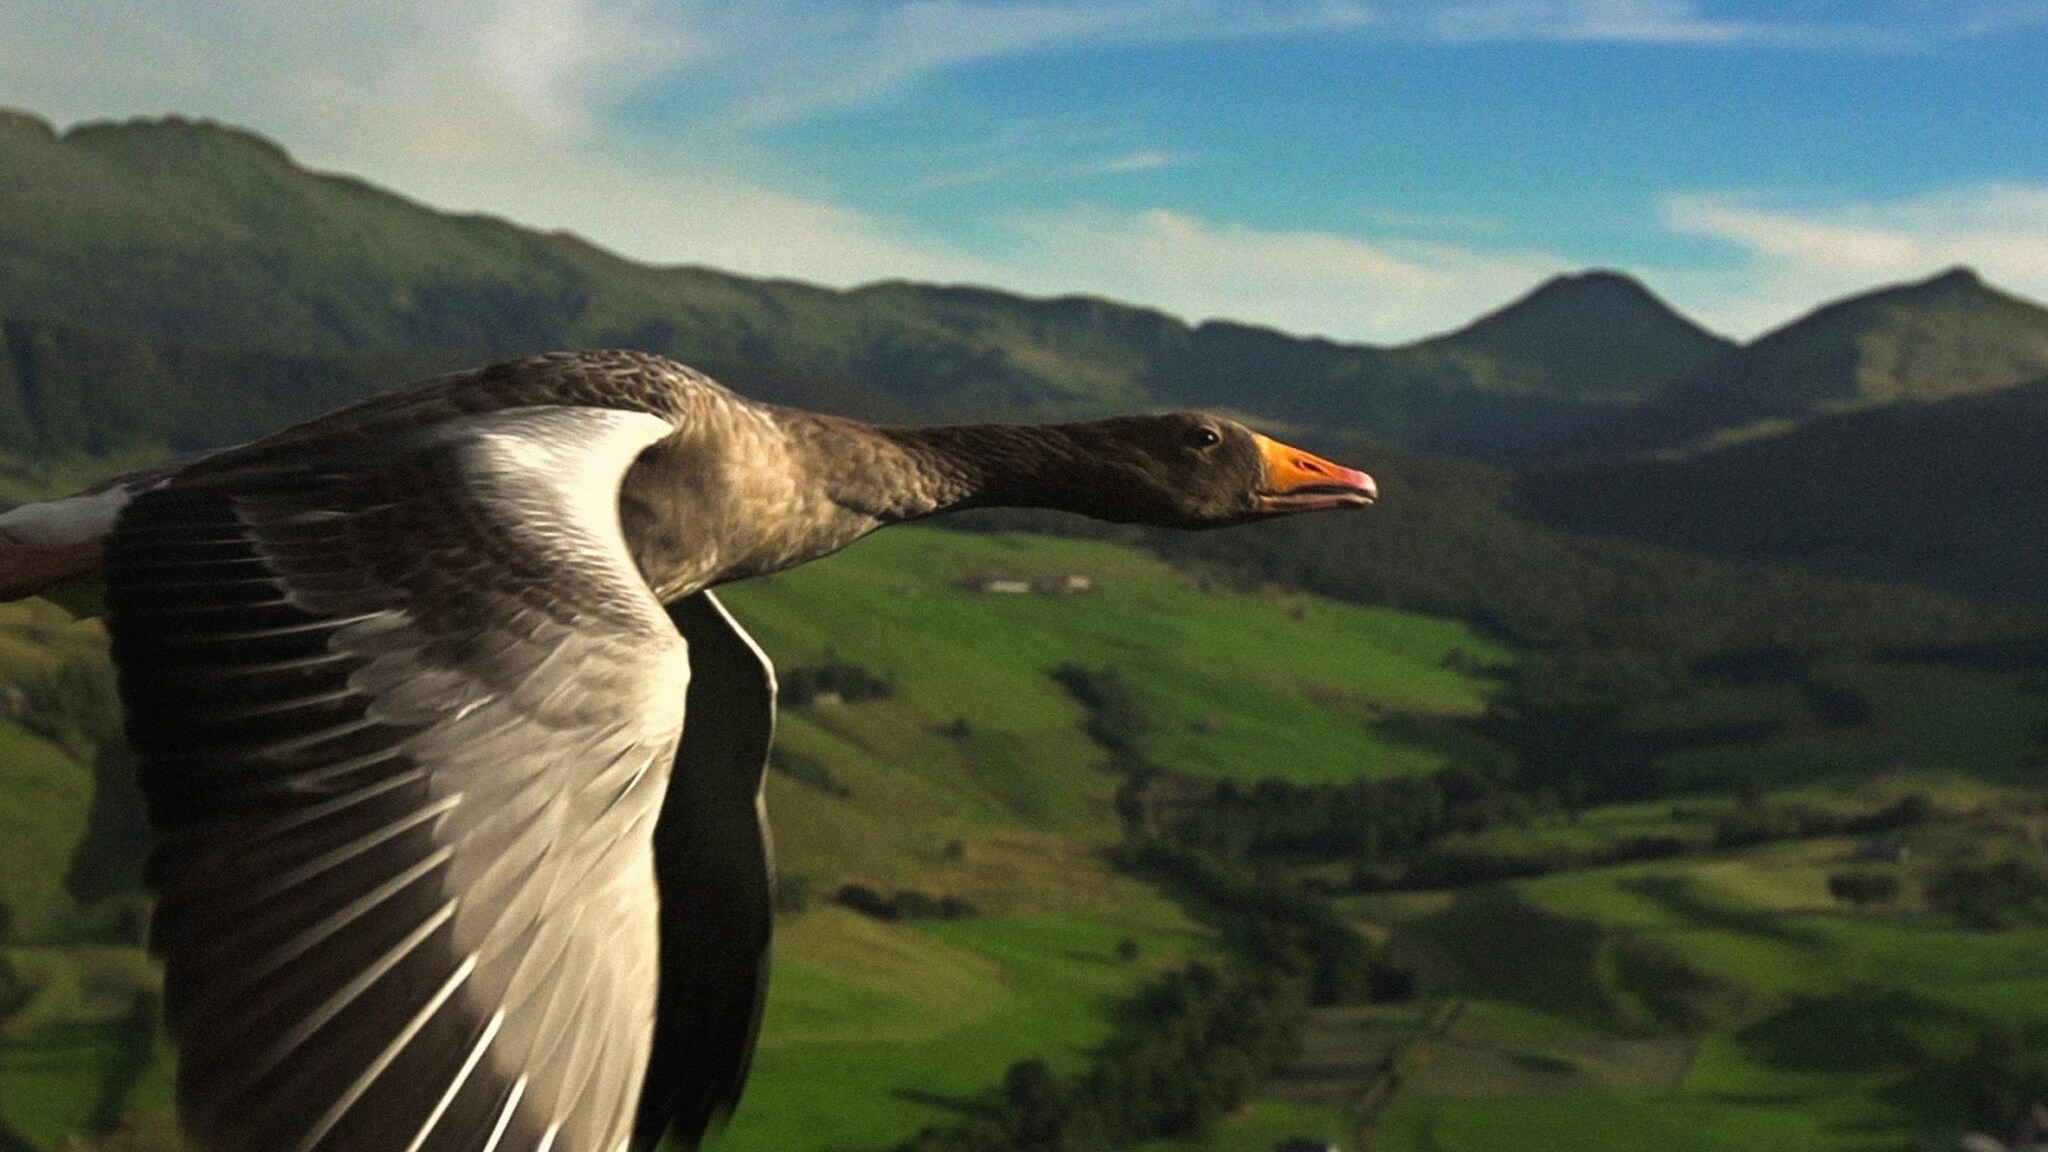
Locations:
column 19, row 121
column 1596, row 336
column 1960, row 276
column 1958, row 283
column 1604, row 282
column 1887, row 306
column 1947, row 336
column 174, row 135
column 1597, row 296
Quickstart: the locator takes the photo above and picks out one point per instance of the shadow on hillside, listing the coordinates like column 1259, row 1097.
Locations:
column 964, row 1107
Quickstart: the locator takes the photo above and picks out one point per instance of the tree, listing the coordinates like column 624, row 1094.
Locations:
column 1997, row 894
column 1864, row 887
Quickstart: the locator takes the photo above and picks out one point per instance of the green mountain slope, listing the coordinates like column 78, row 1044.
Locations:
column 1946, row 337
column 1593, row 337
column 974, row 779
column 1947, row 495
column 172, row 285
column 181, row 239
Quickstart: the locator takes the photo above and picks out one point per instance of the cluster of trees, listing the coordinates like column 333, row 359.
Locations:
column 1863, row 887
column 1753, row 819
column 1756, row 819
column 808, row 771
column 1198, row 1043
column 903, row 904
column 1362, row 818
column 2005, row 1076
column 802, row 684
column 2005, row 891
column 1280, row 925
column 1416, row 831
column 1116, row 718
column 1609, row 630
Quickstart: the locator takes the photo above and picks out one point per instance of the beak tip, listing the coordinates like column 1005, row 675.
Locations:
column 1298, row 481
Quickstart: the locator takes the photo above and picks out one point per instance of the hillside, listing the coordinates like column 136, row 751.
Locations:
column 169, row 245
column 156, row 273
column 1947, row 495
column 1942, row 338
column 1595, row 337
column 972, row 779
column 1554, row 673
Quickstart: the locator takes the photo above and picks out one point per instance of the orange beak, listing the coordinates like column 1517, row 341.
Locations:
column 1298, row 481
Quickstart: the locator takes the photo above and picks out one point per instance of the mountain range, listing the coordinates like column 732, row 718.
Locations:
column 171, row 284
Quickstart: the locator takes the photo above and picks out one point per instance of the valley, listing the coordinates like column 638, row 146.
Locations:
column 1555, row 758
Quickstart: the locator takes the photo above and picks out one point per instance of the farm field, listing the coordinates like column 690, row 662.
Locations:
column 882, row 1028
column 1721, row 1001
column 1673, row 1001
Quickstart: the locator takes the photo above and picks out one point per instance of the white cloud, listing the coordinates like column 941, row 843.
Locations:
column 780, row 63
column 1301, row 281
column 1641, row 21
column 513, row 107
column 1794, row 259
column 1149, row 160
column 502, row 106
column 2006, row 16
column 559, row 58
column 1015, row 172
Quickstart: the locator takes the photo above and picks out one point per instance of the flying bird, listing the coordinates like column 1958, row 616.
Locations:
column 454, row 758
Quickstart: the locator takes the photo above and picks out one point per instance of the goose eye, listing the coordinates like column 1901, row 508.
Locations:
column 1201, row 438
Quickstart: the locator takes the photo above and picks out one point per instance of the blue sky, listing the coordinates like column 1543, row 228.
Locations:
column 1378, row 170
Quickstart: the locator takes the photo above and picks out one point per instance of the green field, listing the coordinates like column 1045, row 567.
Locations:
column 1924, row 718
column 1720, row 1001
column 873, row 1030
column 1289, row 685
column 1715, row 1000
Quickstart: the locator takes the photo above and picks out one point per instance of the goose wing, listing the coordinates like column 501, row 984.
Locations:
column 405, row 713
column 716, row 873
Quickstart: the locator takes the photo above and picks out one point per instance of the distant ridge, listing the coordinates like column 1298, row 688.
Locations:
column 1949, row 494
column 177, row 242
column 139, row 260
column 1937, row 339
column 1597, row 336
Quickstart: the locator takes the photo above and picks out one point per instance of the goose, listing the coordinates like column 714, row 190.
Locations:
column 441, row 865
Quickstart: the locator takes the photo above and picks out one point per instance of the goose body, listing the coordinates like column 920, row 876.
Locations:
column 456, row 760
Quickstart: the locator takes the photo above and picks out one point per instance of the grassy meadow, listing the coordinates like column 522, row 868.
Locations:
column 1716, row 999
column 874, row 1029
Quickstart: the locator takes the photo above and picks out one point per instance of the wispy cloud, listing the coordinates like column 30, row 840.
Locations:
column 1643, row 21
column 2002, row 16
column 1792, row 259
column 1150, row 160
column 501, row 106
column 1679, row 22
column 781, row 63
column 1304, row 281
column 1018, row 172
column 515, row 107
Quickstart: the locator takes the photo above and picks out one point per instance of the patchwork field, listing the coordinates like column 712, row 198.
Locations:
column 874, row 1029
column 1723, row 1001
column 1720, row 999
column 1917, row 717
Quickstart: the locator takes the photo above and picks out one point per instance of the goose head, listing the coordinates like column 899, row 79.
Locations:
column 1195, row 470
